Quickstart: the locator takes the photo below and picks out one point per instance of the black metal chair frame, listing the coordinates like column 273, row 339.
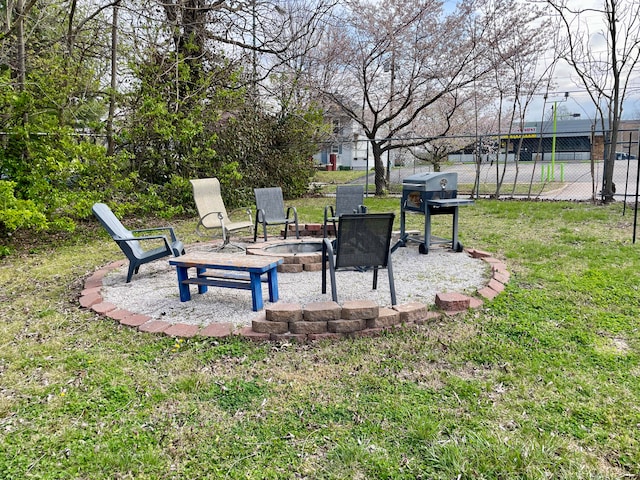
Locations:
column 363, row 241
column 349, row 199
column 270, row 211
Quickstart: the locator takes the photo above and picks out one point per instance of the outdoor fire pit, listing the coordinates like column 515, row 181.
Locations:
column 299, row 255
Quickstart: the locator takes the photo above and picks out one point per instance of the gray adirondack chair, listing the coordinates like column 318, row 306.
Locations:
column 270, row 211
column 363, row 241
column 349, row 199
column 212, row 212
column 131, row 245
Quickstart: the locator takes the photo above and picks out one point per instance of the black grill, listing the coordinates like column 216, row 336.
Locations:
column 433, row 193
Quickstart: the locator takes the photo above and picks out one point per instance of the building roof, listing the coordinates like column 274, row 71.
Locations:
column 564, row 128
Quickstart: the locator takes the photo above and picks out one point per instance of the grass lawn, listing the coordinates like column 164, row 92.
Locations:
column 325, row 182
column 542, row 382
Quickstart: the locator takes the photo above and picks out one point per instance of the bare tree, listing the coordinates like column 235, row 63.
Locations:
column 517, row 79
column 289, row 75
column 257, row 35
column 604, row 61
column 401, row 58
column 14, row 16
column 68, row 33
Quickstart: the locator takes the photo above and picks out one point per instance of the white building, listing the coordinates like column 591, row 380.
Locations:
column 348, row 147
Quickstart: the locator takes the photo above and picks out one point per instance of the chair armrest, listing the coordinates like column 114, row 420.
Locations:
column 250, row 216
column 156, row 229
column 260, row 217
column 145, row 237
column 201, row 224
column 328, row 244
column 327, row 209
column 142, row 237
column 220, row 217
column 295, row 212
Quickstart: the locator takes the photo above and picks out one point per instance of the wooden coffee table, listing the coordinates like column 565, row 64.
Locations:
column 228, row 271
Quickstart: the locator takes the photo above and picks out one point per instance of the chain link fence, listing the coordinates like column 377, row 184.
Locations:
column 566, row 166
column 525, row 166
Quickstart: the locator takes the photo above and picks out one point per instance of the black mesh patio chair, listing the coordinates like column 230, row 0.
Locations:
column 363, row 242
column 130, row 244
column 349, row 199
column 270, row 211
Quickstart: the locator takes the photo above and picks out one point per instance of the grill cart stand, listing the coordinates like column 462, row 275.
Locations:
column 430, row 194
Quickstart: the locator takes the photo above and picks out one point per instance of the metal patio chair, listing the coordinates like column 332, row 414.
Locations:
column 270, row 211
column 131, row 245
column 363, row 241
column 212, row 212
column 349, row 199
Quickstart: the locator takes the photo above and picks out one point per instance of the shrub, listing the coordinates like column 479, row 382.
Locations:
column 15, row 213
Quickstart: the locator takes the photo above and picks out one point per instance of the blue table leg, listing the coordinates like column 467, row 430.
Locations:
column 201, row 288
column 272, row 276
column 256, row 291
column 183, row 274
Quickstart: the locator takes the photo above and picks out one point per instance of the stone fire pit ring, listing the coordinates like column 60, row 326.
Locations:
column 299, row 254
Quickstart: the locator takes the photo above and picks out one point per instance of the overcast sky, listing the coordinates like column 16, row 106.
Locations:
column 566, row 79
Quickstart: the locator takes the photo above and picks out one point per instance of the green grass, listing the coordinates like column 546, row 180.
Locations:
column 327, row 181
column 507, row 189
column 542, row 382
column 337, row 176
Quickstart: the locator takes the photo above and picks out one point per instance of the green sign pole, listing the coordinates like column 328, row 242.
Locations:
column 553, row 142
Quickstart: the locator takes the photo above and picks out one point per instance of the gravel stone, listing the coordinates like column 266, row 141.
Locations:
column 154, row 290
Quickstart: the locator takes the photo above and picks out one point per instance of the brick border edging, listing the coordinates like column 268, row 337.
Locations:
column 410, row 314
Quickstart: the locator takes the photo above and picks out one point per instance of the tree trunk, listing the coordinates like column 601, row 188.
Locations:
column 114, row 73
column 20, row 45
column 22, row 55
column 380, row 174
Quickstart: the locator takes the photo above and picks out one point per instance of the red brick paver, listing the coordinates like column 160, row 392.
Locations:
column 154, row 326
column 452, row 302
column 118, row 314
column 217, row 330
column 249, row 334
column 103, row 307
column 182, row 330
column 135, row 320
column 314, row 322
column 87, row 301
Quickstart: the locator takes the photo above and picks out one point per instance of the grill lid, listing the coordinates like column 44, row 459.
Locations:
column 431, row 181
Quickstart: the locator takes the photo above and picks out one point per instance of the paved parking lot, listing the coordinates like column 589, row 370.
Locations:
column 568, row 180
